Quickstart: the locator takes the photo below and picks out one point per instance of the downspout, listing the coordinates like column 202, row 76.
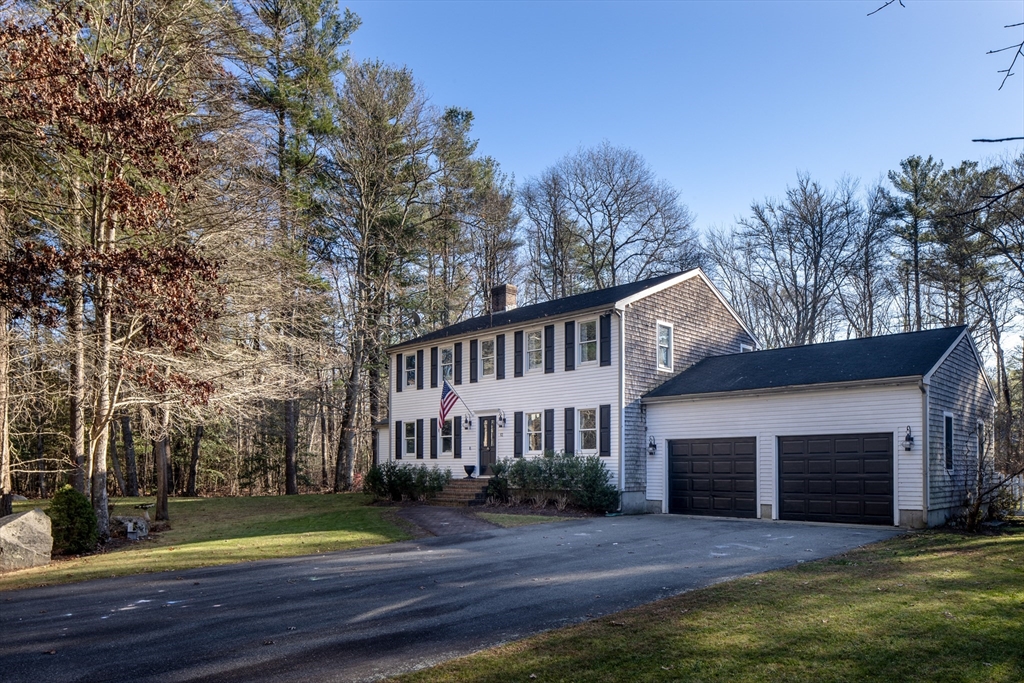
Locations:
column 621, row 314
column 924, row 448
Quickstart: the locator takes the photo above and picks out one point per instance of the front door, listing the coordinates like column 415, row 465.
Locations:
column 488, row 441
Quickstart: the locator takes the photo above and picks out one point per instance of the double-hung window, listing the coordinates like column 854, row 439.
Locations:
column 588, row 429
column 486, row 357
column 447, row 363
column 447, row 437
column 534, row 350
column 534, row 434
column 410, row 370
column 664, row 346
column 588, row 341
column 410, row 438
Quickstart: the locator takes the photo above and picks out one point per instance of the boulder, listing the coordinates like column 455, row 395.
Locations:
column 15, row 497
column 25, row 540
column 132, row 528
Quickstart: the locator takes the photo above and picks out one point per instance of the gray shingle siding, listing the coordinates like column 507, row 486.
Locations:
column 958, row 387
column 702, row 326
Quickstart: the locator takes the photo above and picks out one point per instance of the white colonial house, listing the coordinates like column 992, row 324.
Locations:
column 661, row 379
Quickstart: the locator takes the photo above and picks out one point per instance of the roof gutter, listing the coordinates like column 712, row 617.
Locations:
column 787, row 389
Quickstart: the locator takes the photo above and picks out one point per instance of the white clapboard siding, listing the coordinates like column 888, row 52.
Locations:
column 588, row 386
column 808, row 412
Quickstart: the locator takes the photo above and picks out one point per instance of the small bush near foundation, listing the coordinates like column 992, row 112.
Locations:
column 73, row 522
column 394, row 481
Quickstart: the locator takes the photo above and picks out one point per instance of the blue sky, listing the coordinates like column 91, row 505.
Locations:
column 727, row 101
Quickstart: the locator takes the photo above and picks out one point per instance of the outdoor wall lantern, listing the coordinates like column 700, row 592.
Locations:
column 467, row 422
column 501, row 418
column 652, row 446
column 908, row 440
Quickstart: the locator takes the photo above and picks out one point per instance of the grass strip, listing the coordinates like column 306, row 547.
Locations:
column 213, row 531
column 932, row 606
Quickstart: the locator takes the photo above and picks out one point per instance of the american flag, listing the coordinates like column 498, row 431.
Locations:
column 448, row 400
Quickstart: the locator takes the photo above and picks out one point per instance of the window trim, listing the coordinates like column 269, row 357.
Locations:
column 440, row 363
column 746, row 348
column 949, row 440
column 451, row 436
column 657, row 345
column 596, row 341
column 494, row 357
column 527, row 365
column 527, row 433
column 409, row 442
column 596, row 430
column 410, row 381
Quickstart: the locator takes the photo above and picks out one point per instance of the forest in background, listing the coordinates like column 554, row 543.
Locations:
column 213, row 223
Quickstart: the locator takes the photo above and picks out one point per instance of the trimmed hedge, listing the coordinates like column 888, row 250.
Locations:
column 584, row 478
column 392, row 481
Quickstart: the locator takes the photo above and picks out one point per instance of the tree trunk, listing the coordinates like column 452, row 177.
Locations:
column 129, row 457
column 345, row 468
column 162, row 458
column 5, row 434
column 324, row 477
column 100, row 432
column 77, row 393
column 291, row 480
column 117, row 465
column 193, row 466
column 41, row 460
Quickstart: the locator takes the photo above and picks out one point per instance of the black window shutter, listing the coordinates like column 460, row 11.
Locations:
column 518, row 423
column 433, row 367
column 419, row 369
column 605, row 429
column 457, row 436
column 499, row 357
column 433, row 438
column 400, row 373
column 570, row 430
column 519, row 354
column 606, row 339
column 398, row 437
column 570, row 345
column 474, row 361
column 458, row 363
column 549, row 349
column 419, row 439
column 549, row 429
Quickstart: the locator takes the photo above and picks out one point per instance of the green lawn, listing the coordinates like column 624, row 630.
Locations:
column 931, row 606
column 509, row 521
column 212, row 531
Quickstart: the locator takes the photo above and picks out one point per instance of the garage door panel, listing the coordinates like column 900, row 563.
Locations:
column 844, row 478
column 717, row 477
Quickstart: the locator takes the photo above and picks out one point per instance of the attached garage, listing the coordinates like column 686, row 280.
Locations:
column 849, row 432
column 713, row 477
column 845, row 478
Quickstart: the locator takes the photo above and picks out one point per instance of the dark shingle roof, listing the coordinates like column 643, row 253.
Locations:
column 895, row 355
column 517, row 316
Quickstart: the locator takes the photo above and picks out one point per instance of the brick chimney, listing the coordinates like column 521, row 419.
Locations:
column 503, row 298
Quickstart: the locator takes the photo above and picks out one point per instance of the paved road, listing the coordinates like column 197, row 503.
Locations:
column 366, row 614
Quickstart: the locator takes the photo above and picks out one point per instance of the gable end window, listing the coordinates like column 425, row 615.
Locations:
column 534, row 350
column 588, row 342
column 664, row 346
column 947, row 428
column 746, row 348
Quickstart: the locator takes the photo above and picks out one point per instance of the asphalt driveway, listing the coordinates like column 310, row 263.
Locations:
column 367, row 614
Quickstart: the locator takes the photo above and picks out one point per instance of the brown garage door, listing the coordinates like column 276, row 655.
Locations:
column 713, row 477
column 836, row 478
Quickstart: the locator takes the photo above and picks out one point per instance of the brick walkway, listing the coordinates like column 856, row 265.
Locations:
column 442, row 521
